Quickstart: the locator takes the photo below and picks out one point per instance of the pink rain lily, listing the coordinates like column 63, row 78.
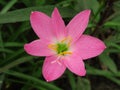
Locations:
column 63, row 46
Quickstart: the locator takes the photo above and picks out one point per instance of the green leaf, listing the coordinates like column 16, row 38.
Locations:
column 114, row 19
column 95, row 71
column 112, row 40
column 108, row 62
column 24, row 14
column 29, row 3
column 112, row 23
column 15, row 63
column 1, row 79
column 19, row 32
column 12, row 56
column 83, row 84
column 39, row 2
column 72, row 80
column 6, row 50
column 111, row 76
column 114, row 79
column 8, row 6
column 112, row 43
column 116, row 5
column 13, row 44
column 2, row 48
column 93, row 5
column 90, row 4
column 46, row 85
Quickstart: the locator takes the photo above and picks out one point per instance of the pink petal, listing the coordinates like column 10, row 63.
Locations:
column 52, row 69
column 88, row 46
column 75, row 64
column 41, row 25
column 78, row 24
column 58, row 24
column 38, row 48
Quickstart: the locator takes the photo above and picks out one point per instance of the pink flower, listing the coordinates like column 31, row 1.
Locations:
column 63, row 46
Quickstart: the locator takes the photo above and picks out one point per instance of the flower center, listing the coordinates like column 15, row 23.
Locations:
column 61, row 47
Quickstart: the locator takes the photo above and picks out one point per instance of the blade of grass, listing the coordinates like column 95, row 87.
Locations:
column 24, row 26
column 111, row 76
column 23, row 14
column 1, row 80
column 13, row 44
column 46, row 85
column 94, row 71
column 107, row 61
column 15, row 63
column 2, row 45
column 12, row 56
column 111, row 24
column 27, row 84
column 5, row 51
column 8, row 6
column 83, row 84
column 114, row 79
column 71, row 80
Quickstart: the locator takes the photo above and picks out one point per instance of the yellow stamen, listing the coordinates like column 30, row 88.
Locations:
column 70, row 40
column 67, row 40
column 63, row 40
column 52, row 46
column 66, row 52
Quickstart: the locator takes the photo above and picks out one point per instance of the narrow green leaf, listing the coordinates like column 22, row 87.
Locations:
column 8, row 6
column 94, row 71
column 15, row 63
column 24, row 26
column 114, row 19
column 24, row 14
column 114, row 79
column 112, row 44
column 90, row 4
column 113, row 40
column 111, row 76
column 13, row 44
column 83, row 84
column 12, row 56
column 111, row 23
column 2, row 48
column 116, row 5
column 5, row 50
column 46, row 85
column 1, row 79
column 107, row 61
column 72, row 80
column 26, row 84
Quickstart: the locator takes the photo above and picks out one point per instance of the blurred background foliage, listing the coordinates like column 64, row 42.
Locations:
column 19, row 71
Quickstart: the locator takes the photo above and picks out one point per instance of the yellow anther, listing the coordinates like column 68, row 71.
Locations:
column 63, row 40
column 66, row 52
column 67, row 40
column 52, row 46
